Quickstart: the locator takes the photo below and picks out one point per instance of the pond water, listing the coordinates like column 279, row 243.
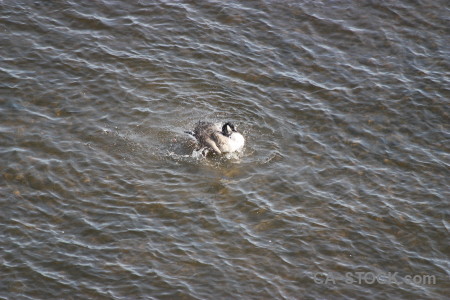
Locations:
column 345, row 173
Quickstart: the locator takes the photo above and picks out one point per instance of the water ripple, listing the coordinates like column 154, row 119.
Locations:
column 343, row 107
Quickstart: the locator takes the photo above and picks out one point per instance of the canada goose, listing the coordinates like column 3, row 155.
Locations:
column 221, row 140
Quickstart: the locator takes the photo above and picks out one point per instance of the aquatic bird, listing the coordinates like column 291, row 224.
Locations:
column 221, row 140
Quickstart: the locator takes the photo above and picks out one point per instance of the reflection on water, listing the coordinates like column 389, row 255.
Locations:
column 345, row 113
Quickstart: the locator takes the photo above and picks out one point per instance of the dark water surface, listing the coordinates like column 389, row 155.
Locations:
column 345, row 107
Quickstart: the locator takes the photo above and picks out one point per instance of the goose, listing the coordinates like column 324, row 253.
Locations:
column 221, row 140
